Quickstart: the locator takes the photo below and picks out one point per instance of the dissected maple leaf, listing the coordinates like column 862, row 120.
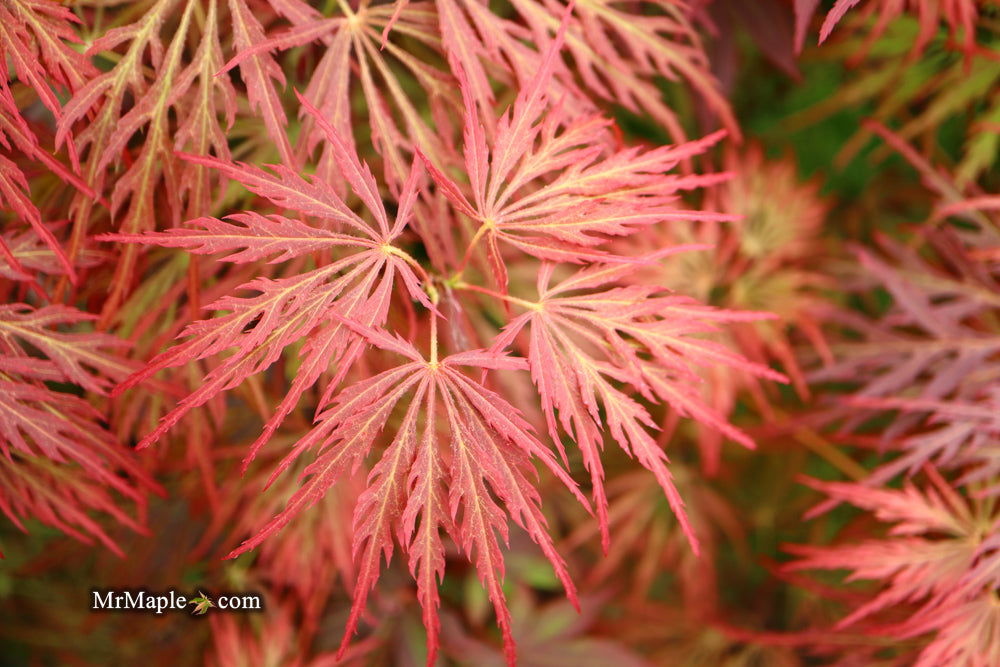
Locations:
column 355, row 45
column 583, row 346
column 479, row 44
column 589, row 192
column 57, row 461
column 765, row 260
column 547, row 182
column 933, row 353
column 259, row 69
column 938, row 562
column 188, row 90
column 36, row 37
column 424, row 483
column 926, row 364
column 923, row 362
column 358, row 285
column 618, row 51
column 14, row 187
column 435, row 452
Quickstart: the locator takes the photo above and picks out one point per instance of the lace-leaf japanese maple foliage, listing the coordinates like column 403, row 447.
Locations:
column 548, row 188
column 429, row 320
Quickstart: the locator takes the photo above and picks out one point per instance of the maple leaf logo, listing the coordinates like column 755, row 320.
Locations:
column 202, row 603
